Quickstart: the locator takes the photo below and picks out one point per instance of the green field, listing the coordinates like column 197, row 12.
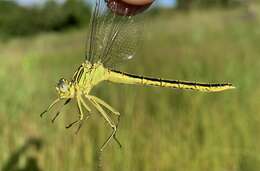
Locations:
column 160, row 129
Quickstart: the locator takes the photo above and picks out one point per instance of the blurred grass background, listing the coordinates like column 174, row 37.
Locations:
column 160, row 129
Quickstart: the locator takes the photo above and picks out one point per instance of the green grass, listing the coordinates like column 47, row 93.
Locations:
column 160, row 129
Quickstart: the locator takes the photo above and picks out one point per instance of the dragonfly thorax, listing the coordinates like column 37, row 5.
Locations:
column 85, row 78
column 88, row 75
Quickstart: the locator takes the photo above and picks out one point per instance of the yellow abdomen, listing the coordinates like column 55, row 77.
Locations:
column 125, row 78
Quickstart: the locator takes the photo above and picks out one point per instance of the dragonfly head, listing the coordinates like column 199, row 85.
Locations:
column 65, row 89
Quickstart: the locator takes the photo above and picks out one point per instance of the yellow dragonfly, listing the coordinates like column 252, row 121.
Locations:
column 112, row 37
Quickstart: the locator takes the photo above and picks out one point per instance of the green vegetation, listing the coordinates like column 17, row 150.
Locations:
column 184, row 4
column 160, row 129
column 16, row 20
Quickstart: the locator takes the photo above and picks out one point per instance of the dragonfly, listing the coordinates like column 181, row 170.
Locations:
column 112, row 37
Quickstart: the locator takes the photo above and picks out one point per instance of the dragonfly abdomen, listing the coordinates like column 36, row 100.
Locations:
column 126, row 78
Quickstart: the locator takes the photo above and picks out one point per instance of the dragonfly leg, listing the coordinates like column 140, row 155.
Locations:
column 55, row 117
column 103, row 103
column 110, row 122
column 58, row 113
column 81, row 115
column 85, row 105
column 50, row 107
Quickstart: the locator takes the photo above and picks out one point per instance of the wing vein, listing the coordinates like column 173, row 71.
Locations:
column 93, row 31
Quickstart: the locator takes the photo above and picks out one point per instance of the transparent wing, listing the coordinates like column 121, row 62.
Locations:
column 113, row 38
column 92, row 37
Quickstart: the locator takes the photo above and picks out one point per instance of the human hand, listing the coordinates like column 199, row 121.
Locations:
column 128, row 7
column 138, row 2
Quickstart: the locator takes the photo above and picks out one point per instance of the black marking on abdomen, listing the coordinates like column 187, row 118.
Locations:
column 160, row 81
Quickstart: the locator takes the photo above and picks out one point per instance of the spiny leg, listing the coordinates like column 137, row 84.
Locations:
column 103, row 103
column 50, row 107
column 99, row 108
column 111, row 109
column 113, row 126
column 81, row 116
column 85, row 105
column 115, row 137
column 58, row 113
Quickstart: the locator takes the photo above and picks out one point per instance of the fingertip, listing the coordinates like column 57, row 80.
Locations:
column 138, row 2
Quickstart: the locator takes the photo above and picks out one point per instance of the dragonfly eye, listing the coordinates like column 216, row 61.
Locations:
column 63, row 85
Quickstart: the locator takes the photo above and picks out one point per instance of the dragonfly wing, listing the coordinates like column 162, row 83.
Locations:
column 113, row 38
column 92, row 37
column 122, row 41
